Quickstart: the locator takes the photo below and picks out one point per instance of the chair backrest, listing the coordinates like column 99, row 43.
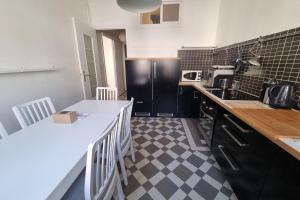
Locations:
column 31, row 112
column 3, row 133
column 106, row 93
column 125, row 124
column 101, row 163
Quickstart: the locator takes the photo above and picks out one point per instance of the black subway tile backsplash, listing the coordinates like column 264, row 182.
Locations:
column 280, row 59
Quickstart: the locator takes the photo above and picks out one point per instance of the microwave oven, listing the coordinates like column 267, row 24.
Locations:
column 191, row 75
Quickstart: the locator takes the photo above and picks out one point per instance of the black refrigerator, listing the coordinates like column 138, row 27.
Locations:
column 153, row 83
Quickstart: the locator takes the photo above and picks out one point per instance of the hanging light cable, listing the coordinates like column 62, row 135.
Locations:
column 139, row 6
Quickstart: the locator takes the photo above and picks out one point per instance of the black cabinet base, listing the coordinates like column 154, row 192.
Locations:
column 254, row 166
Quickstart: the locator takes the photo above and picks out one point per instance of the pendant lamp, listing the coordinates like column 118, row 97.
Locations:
column 139, row 6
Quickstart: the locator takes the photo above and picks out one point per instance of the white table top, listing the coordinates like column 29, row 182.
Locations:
column 43, row 160
column 101, row 107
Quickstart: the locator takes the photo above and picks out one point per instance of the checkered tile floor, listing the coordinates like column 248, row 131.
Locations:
column 166, row 167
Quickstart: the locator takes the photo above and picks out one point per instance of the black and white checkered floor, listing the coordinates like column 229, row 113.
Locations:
column 167, row 168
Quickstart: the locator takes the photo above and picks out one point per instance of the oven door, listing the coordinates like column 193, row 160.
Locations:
column 207, row 117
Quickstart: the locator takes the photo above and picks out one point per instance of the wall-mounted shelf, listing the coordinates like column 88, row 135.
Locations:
column 7, row 70
column 198, row 48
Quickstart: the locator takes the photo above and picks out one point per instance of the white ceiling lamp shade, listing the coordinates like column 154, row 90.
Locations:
column 139, row 6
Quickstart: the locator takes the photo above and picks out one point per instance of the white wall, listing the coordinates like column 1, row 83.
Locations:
column 39, row 33
column 198, row 27
column 241, row 20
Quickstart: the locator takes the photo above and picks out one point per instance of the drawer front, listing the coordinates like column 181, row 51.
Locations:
column 241, row 127
column 246, row 141
column 249, row 180
column 248, row 150
column 228, row 166
column 142, row 108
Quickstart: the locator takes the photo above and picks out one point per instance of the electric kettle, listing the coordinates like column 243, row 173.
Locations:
column 282, row 95
column 264, row 95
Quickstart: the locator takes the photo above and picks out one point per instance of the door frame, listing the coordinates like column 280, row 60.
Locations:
column 81, row 29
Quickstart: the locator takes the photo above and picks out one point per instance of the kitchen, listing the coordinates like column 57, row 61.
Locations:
column 214, row 87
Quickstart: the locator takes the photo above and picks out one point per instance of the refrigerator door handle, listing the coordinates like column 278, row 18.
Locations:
column 152, row 84
column 154, row 68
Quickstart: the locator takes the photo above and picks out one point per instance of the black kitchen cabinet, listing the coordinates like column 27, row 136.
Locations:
column 188, row 102
column 153, row 84
column 242, row 154
column 166, row 75
column 139, row 86
column 255, row 167
column 282, row 181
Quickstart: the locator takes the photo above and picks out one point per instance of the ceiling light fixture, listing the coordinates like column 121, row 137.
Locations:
column 139, row 6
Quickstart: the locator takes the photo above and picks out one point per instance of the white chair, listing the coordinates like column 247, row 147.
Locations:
column 106, row 93
column 101, row 175
column 33, row 111
column 3, row 133
column 124, row 139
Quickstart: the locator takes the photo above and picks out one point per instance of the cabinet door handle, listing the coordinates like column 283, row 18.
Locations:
column 205, row 114
column 236, row 124
column 232, row 164
column 241, row 144
column 139, row 102
column 181, row 91
column 195, row 96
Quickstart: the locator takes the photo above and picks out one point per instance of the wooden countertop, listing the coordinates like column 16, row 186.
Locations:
column 272, row 123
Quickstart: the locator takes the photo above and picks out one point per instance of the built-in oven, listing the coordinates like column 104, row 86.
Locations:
column 209, row 109
column 206, row 120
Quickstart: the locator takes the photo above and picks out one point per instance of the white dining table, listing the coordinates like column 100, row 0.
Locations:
column 43, row 160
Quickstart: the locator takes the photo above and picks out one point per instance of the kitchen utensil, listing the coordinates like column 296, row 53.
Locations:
column 235, row 85
column 225, row 83
column 239, row 62
column 282, row 95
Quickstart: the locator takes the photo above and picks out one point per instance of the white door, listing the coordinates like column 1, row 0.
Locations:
column 88, row 57
column 108, row 46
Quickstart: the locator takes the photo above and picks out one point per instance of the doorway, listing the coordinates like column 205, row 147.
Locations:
column 112, row 48
column 109, row 60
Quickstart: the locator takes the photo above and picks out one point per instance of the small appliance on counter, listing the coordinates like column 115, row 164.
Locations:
column 282, row 95
column 218, row 72
column 191, row 75
column 264, row 95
